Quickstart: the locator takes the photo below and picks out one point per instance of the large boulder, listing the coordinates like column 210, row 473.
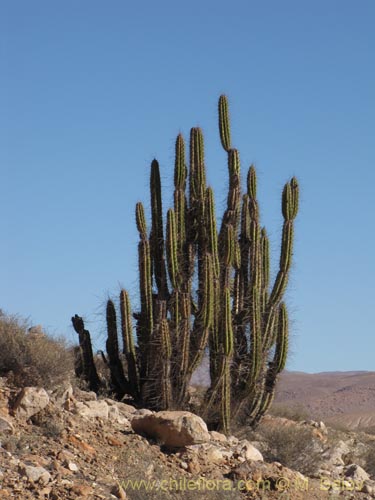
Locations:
column 173, row 429
column 30, row 401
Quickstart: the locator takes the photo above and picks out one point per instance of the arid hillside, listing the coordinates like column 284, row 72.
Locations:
column 347, row 398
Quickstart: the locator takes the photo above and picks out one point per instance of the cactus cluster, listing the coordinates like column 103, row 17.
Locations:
column 203, row 291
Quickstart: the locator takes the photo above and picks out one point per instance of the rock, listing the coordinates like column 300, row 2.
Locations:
column 122, row 407
column 323, row 428
column 194, row 467
column 73, row 467
column 62, row 395
column 82, row 490
column 149, row 471
column 114, row 442
column 217, row 436
column 232, row 440
column 172, row 428
column 36, row 474
column 92, row 409
column 114, row 415
column 119, row 492
column 211, row 453
column 81, row 445
column 218, row 455
column 367, row 488
column 241, row 472
column 6, row 426
column 336, row 456
column 45, row 492
column 66, row 456
column 246, row 450
column 356, row 473
column 143, row 411
column 30, row 401
column 85, row 395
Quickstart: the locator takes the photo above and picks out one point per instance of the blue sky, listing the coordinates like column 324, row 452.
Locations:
column 92, row 91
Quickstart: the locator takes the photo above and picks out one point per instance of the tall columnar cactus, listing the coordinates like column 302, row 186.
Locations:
column 204, row 290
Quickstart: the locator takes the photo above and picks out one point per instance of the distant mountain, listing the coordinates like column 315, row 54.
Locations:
column 343, row 398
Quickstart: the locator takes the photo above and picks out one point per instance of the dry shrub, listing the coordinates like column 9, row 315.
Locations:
column 28, row 359
column 369, row 460
column 295, row 412
column 294, row 446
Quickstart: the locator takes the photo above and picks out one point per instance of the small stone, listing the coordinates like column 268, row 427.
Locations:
column 113, row 441
column 114, row 415
column 73, row 467
column 143, row 411
column 248, row 451
column 66, row 482
column 119, row 492
column 149, row 471
column 218, row 436
column 123, row 407
column 184, row 465
column 36, row 474
column 323, row 427
column 62, row 395
column 242, row 471
column 82, row 489
column 6, row 426
column 85, row 395
column 367, row 489
column 257, row 476
column 81, row 445
column 66, row 456
column 347, row 485
column 356, row 473
column 194, row 467
column 232, row 440
column 45, row 492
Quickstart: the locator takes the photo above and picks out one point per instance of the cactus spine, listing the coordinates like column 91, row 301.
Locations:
column 203, row 288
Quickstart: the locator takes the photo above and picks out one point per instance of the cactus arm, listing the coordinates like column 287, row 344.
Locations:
column 172, row 256
column 87, row 358
column 224, row 125
column 128, row 343
column 157, row 238
column 118, row 381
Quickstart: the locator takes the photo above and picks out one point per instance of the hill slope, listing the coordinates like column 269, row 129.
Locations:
column 343, row 397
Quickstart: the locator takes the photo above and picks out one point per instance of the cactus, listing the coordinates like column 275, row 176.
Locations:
column 204, row 290
column 86, row 356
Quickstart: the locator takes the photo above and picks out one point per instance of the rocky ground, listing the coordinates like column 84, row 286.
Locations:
column 68, row 444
